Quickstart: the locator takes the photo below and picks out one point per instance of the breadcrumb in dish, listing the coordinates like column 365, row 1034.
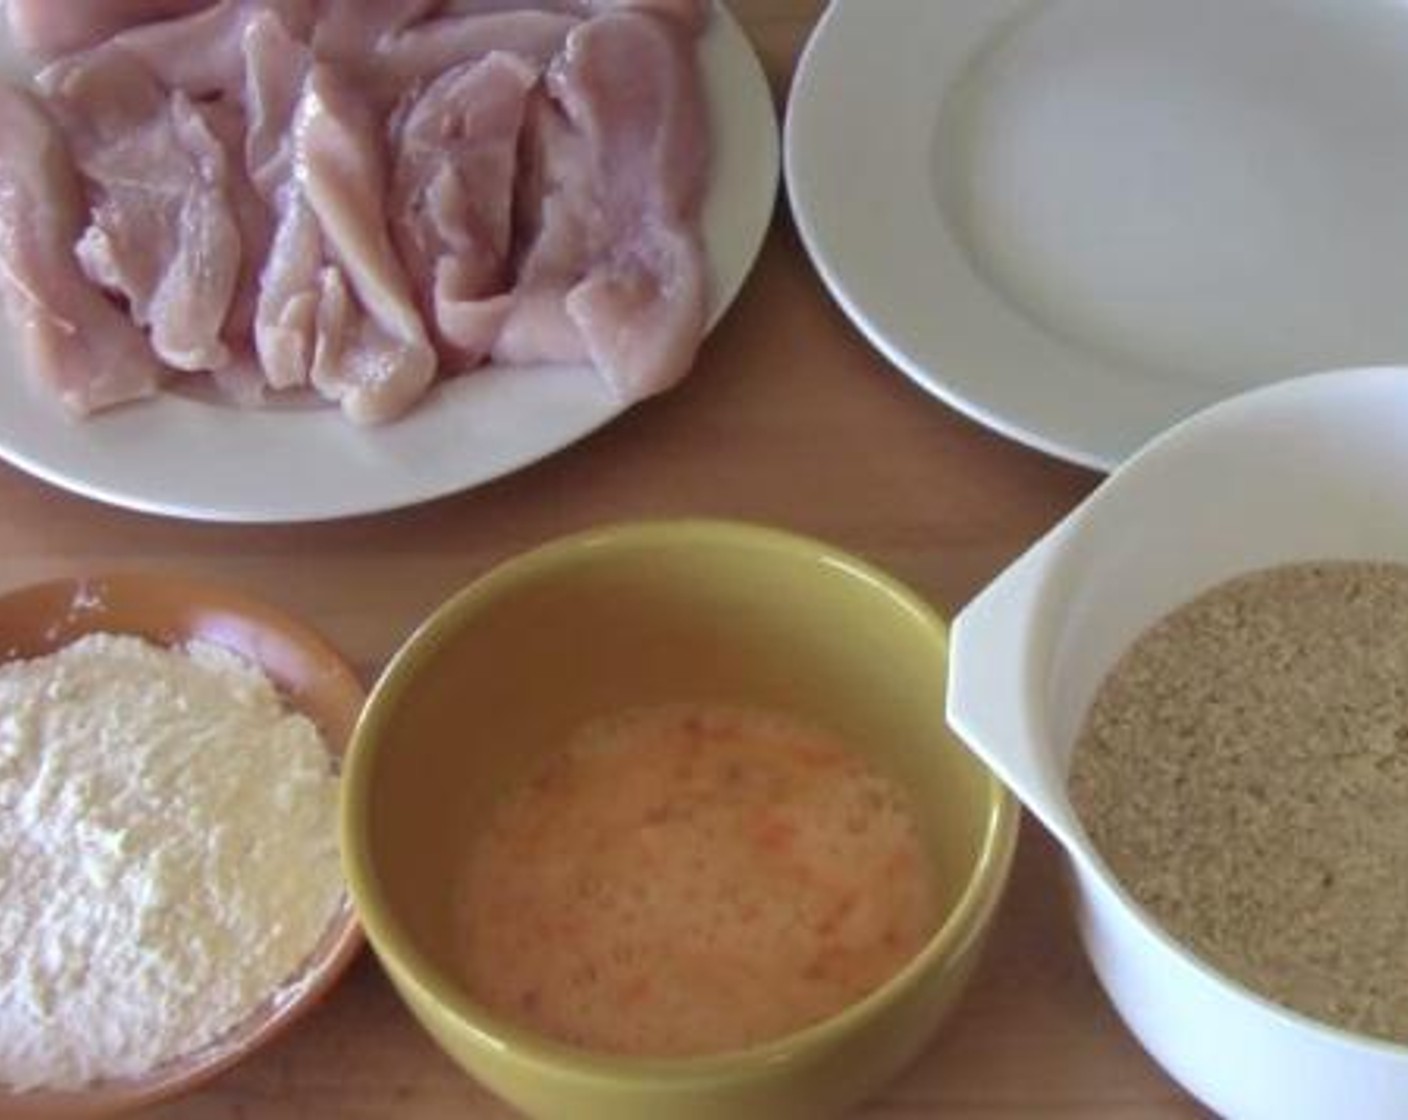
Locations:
column 1243, row 770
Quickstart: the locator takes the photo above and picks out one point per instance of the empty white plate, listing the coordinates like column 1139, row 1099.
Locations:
column 1080, row 220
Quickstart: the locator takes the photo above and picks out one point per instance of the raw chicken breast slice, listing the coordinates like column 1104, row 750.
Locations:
column 204, row 54
column 241, row 381
column 641, row 312
column 312, row 152
column 353, row 351
column 244, row 54
column 563, row 231
column 72, row 337
column 452, row 197
column 630, row 86
column 163, row 234
column 468, row 325
column 495, row 7
column 286, row 317
column 692, row 15
column 310, row 331
column 620, row 178
column 348, row 30
column 276, row 67
column 240, row 378
column 536, row 330
column 387, row 362
column 289, row 290
column 426, row 49
column 335, row 327
column 197, row 289
column 47, row 29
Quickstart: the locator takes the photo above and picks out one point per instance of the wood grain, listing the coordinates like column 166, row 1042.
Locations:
column 788, row 419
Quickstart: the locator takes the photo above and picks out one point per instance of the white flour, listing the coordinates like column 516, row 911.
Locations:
column 168, row 855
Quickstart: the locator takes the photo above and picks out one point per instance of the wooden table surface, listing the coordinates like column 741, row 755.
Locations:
column 789, row 419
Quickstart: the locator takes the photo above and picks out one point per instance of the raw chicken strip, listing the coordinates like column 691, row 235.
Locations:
column 452, row 197
column 631, row 87
column 564, row 234
column 629, row 84
column 618, row 209
column 384, row 360
column 276, row 68
column 349, row 30
column 48, row 28
column 204, row 54
column 692, row 15
column 286, row 321
column 431, row 47
column 642, row 313
column 388, row 46
column 494, row 7
column 243, row 53
column 163, row 234
column 72, row 338
column 286, row 315
column 240, row 377
column 309, row 329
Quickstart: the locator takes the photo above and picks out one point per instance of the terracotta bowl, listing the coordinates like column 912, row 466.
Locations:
column 313, row 678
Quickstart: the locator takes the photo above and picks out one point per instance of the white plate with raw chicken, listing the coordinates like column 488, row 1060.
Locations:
column 188, row 451
column 1081, row 220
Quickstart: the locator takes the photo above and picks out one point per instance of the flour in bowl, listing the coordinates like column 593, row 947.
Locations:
column 168, row 856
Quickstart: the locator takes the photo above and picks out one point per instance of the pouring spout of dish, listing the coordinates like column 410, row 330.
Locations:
column 995, row 700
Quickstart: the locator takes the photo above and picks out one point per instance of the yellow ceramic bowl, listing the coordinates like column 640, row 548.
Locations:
column 638, row 615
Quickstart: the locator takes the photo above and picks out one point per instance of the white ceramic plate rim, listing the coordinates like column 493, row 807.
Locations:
column 860, row 156
column 182, row 457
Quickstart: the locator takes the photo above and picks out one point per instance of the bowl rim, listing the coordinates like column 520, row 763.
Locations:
column 341, row 940
column 1217, row 422
column 965, row 921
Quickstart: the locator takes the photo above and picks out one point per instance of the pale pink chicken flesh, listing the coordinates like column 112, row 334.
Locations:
column 49, row 28
column 286, row 312
column 349, row 30
column 561, row 234
column 452, row 197
column 353, row 195
column 276, row 64
column 387, row 361
column 426, row 49
column 286, row 318
column 163, row 234
column 692, row 15
column 71, row 337
column 204, row 53
column 615, row 258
